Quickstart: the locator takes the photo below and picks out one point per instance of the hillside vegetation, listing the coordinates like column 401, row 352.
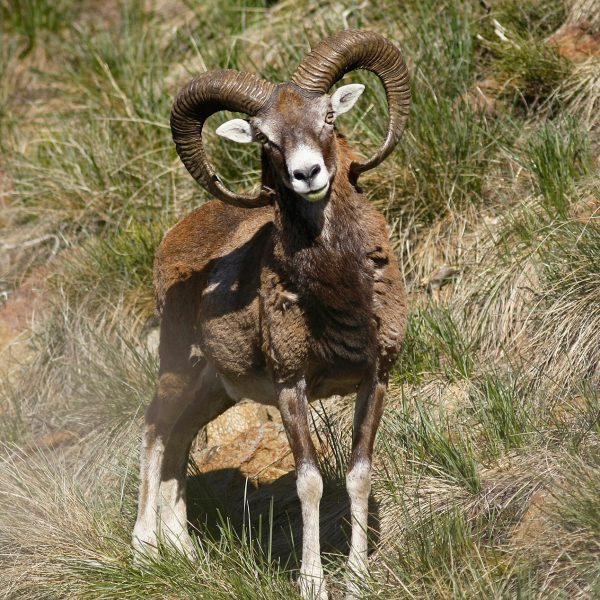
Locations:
column 487, row 479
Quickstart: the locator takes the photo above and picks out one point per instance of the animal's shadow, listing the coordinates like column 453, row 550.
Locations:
column 271, row 514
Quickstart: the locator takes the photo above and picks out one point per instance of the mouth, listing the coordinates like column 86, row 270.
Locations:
column 317, row 195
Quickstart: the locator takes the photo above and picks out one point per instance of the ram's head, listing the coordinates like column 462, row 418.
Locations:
column 293, row 121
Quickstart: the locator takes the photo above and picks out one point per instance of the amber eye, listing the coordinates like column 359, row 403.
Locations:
column 329, row 118
column 261, row 137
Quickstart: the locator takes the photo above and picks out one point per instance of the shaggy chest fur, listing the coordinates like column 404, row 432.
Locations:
column 323, row 298
column 335, row 291
column 320, row 286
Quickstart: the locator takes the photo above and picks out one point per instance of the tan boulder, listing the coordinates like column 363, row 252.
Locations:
column 238, row 419
column 260, row 452
column 576, row 41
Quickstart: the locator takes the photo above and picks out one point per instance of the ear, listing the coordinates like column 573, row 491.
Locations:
column 236, row 130
column 344, row 98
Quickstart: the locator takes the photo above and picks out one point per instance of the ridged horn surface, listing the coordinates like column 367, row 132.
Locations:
column 202, row 97
column 349, row 50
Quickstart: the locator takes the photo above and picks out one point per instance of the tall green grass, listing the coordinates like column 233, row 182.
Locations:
column 31, row 18
column 559, row 156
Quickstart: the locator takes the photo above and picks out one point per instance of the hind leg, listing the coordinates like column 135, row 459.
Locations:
column 170, row 400
column 208, row 402
column 184, row 402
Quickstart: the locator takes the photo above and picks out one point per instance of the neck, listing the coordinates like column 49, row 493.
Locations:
column 300, row 224
column 322, row 255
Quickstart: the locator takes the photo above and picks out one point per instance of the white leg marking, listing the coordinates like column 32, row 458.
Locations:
column 173, row 513
column 358, row 484
column 144, row 531
column 310, row 489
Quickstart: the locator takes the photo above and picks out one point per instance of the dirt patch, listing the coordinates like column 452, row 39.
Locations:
column 18, row 312
column 577, row 42
column 531, row 526
column 483, row 97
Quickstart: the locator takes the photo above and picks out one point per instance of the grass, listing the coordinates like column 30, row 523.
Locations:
column 428, row 441
column 559, row 157
column 32, row 18
column 501, row 410
column 487, row 471
column 527, row 69
column 124, row 261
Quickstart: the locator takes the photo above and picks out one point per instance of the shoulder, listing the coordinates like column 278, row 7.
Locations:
column 208, row 232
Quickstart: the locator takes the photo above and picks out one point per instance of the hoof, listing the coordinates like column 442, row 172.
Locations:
column 312, row 588
column 183, row 544
column 353, row 579
column 352, row 592
column 143, row 550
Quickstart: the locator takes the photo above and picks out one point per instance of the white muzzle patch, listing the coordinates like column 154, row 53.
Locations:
column 308, row 174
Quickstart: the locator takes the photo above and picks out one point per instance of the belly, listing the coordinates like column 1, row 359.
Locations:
column 258, row 386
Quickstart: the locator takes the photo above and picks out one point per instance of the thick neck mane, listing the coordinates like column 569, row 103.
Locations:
column 321, row 250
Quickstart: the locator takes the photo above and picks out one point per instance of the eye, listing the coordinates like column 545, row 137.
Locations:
column 261, row 137
column 330, row 118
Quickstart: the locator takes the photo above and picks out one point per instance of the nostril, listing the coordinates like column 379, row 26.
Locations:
column 315, row 170
column 298, row 175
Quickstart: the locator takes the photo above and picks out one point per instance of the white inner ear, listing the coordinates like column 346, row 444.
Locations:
column 345, row 97
column 236, row 130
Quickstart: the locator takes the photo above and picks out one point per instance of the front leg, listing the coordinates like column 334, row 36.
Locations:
column 367, row 416
column 293, row 406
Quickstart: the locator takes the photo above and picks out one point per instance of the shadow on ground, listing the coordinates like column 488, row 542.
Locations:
column 225, row 495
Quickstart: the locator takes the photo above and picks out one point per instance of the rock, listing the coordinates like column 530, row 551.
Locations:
column 576, row 41
column 238, row 419
column 273, row 414
column 248, row 440
column 260, row 453
column 272, row 457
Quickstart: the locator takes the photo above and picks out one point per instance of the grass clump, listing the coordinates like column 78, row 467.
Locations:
column 499, row 407
column 535, row 18
column 430, row 443
column 449, row 152
column 87, row 179
column 120, row 263
column 526, row 69
column 87, row 376
column 579, row 92
column 578, row 497
column 559, row 156
column 30, row 18
column 530, row 73
column 450, row 145
column 435, row 343
column 428, row 563
column 570, row 305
